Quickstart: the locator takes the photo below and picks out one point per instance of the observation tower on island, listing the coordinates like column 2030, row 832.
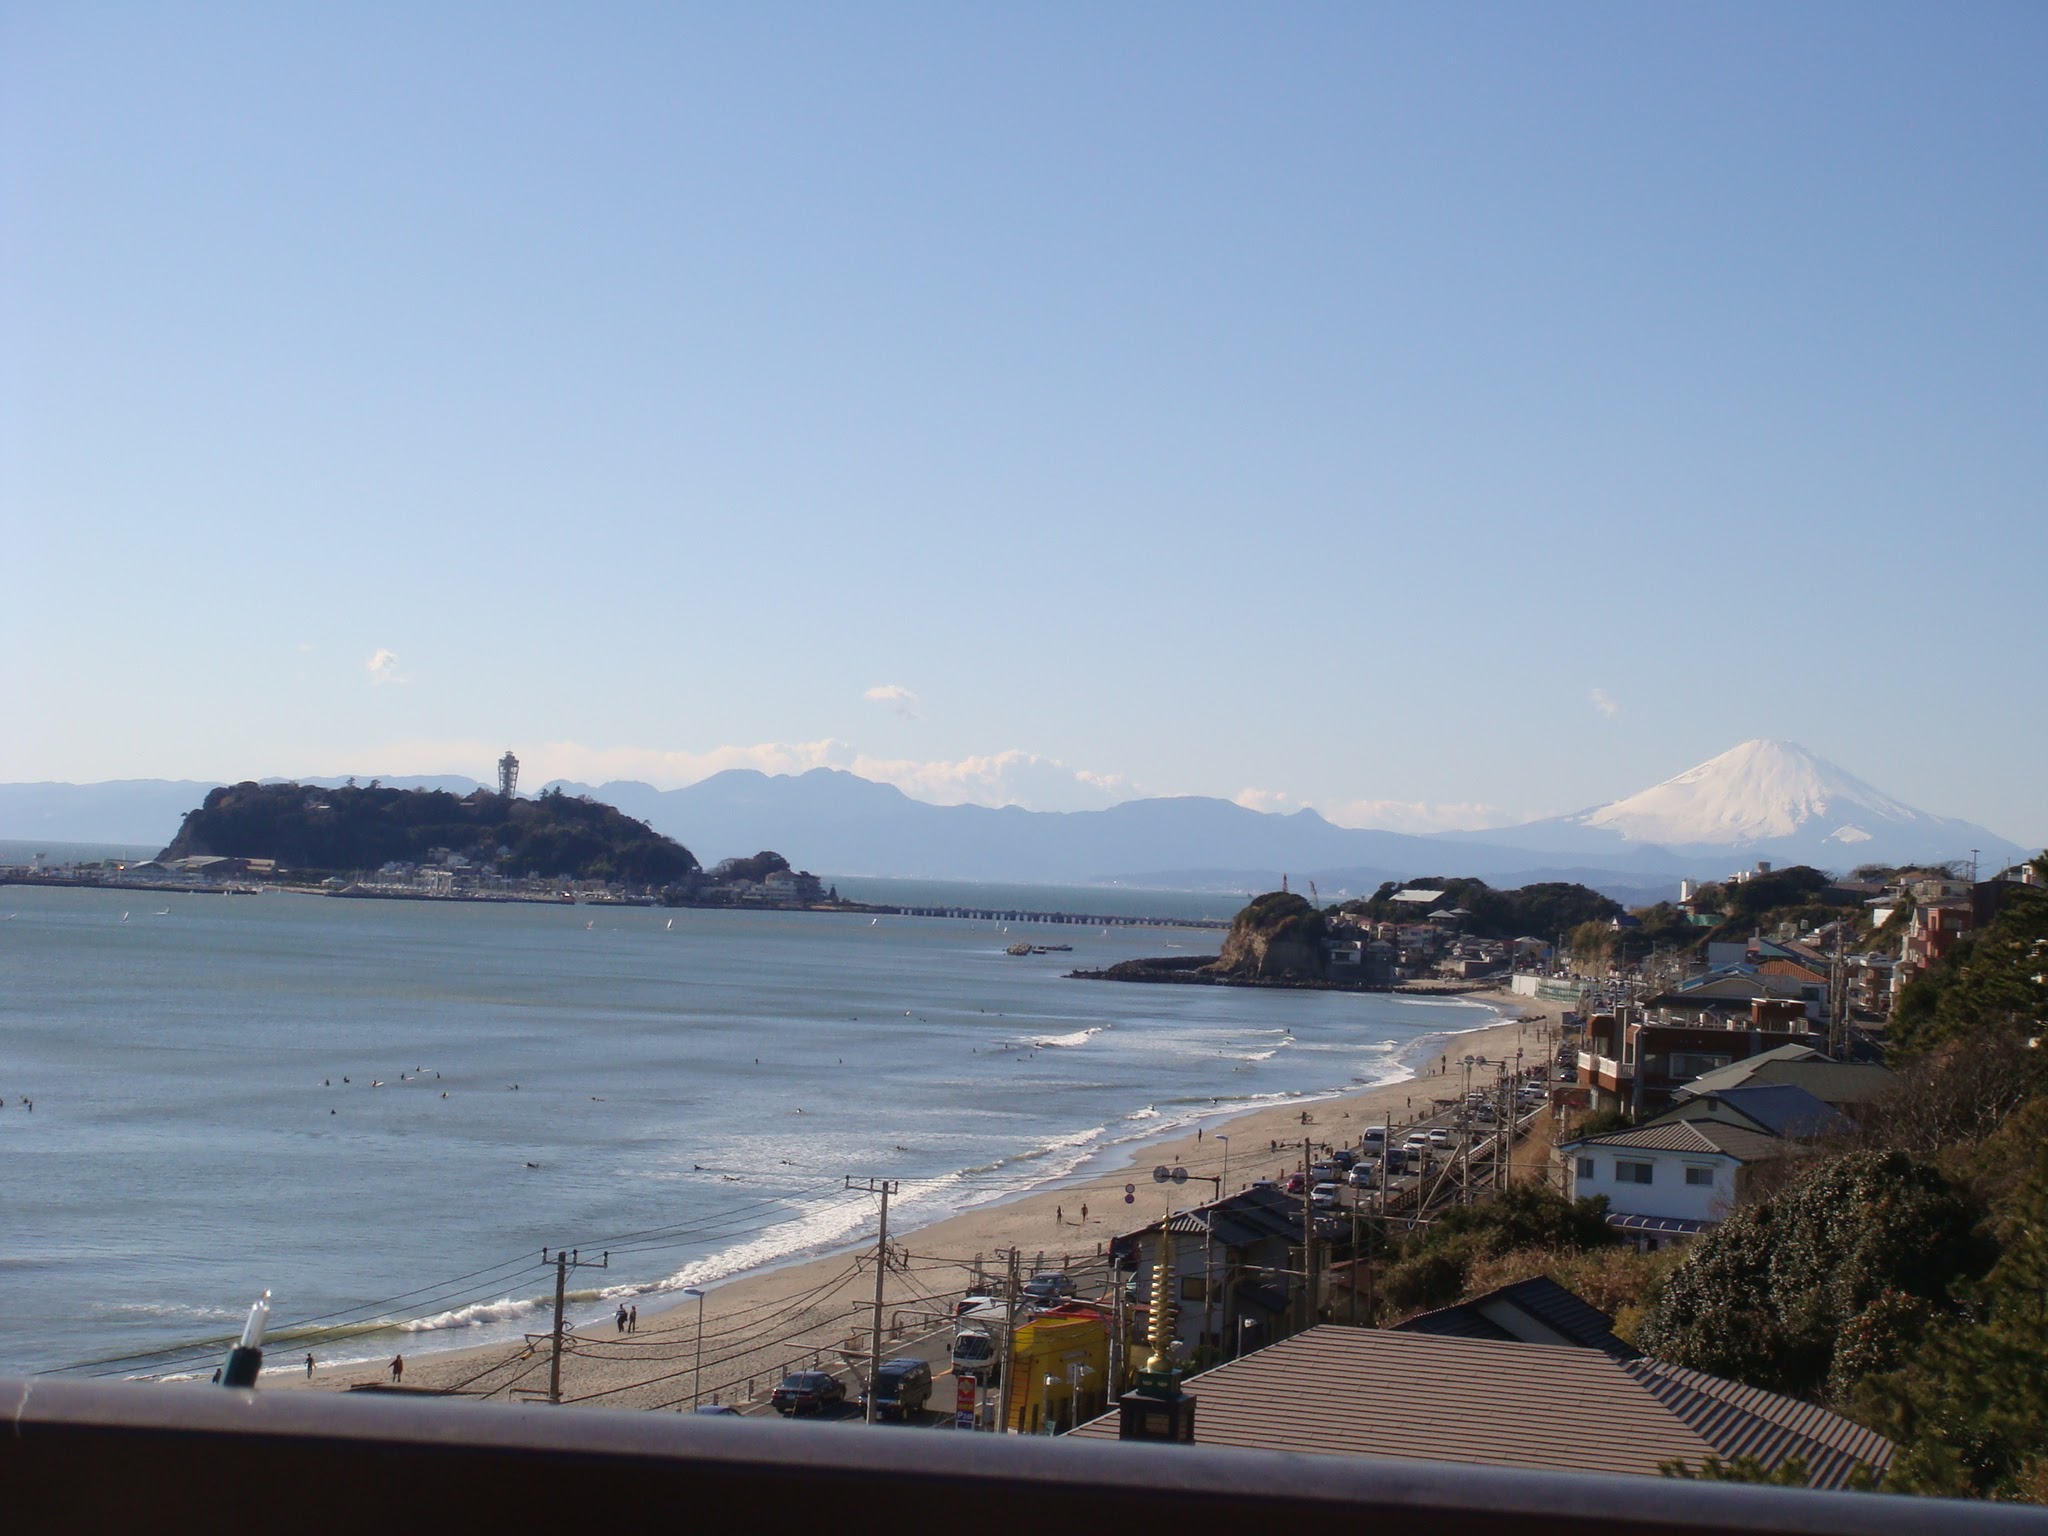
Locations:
column 508, row 775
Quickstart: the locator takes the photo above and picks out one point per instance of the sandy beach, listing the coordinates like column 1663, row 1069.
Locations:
column 757, row 1325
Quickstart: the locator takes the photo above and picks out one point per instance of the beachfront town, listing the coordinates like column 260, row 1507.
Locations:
column 1700, row 1214
column 1734, row 1185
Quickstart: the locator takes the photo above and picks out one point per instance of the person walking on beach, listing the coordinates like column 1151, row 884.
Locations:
column 633, row 1318
column 309, row 1367
column 1059, row 1215
column 1084, row 1215
column 622, row 1317
column 397, row 1369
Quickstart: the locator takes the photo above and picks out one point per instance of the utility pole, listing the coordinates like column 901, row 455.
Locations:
column 566, row 1259
column 1503, row 1130
column 1838, row 987
column 1465, row 1141
column 1004, row 1363
column 1355, row 1260
column 885, row 1188
column 1386, row 1165
column 1116, row 1332
column 1308, row 1238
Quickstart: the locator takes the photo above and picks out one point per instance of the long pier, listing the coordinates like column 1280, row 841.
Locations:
column 1077, row 919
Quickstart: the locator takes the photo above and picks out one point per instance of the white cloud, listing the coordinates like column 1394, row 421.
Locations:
column 1380, row 815
column 896, row 696
column 1605, row 702
column 1271, row 801
column 1012, row 777
column 383, row 668
column 1417, row 815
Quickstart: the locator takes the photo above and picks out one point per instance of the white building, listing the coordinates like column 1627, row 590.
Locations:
column 1670, row 1179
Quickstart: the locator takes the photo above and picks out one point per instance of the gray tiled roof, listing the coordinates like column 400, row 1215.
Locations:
column 1365, row 1392
column 1748, row 1421
column 1240, row 1220
column 1736, row 1073
column 1779, row 1109
column 1557, row 1314
column 1700, row 1136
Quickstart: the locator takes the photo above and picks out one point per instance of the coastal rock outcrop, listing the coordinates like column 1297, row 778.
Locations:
column 1279, row 937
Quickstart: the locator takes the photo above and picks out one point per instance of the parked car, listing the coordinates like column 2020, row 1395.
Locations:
column 1296, row 1183
column 1322, row 1173
column 807, row 1392
column 1374, row 1133
column 1324, row 1197
column 1439, row 1137
column 901, row 1387
column 1344, row 1157
column 1417, row 1141
column 719, row 1410
column 1364, row 1176
column 975, row 1301
column 1053, row 1280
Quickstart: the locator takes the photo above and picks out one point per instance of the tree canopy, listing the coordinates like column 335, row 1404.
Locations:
column 1544, row 909
column 1822, row 1283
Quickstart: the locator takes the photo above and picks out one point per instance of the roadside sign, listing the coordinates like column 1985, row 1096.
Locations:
column 1130, row 1199
column 963, row 1402
column 1180, row 1175
column 1130, row 1189
column 1161, row 1174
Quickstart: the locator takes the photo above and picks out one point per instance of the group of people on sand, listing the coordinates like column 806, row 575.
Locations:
column 628, row 1319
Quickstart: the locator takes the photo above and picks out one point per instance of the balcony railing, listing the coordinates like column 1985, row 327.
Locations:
column 78, row 1456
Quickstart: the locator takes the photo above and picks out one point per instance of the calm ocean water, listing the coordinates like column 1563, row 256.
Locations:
column 381, row 1111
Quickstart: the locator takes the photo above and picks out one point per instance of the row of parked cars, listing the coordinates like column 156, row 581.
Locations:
column 901, row 1388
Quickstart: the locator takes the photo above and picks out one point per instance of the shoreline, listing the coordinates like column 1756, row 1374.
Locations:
column 811, row 1305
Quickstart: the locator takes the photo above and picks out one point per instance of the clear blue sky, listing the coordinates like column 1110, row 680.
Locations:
column 1430, row 414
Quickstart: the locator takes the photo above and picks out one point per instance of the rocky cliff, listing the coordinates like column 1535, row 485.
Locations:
column 1278, row 937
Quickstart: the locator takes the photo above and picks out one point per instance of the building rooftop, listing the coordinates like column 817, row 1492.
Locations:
column 1777, row 1109
column 1535, row 1311
column 1698, row 1136
column 1832, row 1082
column 1239, row 1220
column 1336, row 1391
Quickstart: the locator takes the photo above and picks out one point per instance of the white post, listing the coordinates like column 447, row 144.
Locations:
column 697, row 1371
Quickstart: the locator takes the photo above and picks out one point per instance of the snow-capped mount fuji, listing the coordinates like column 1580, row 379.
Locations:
column 1766, row 799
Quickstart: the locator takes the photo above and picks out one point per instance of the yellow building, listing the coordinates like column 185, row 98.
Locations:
column 1062, row 1372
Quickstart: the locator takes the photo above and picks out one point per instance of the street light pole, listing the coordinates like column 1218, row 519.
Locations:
column 697, row 1371
column 1226, row 1162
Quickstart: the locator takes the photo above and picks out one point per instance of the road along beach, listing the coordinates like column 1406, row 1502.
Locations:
column 755, row 1326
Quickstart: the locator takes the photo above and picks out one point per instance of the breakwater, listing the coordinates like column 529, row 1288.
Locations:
column 1076, row 919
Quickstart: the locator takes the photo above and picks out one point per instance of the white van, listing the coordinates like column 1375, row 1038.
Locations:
column 974, row 1352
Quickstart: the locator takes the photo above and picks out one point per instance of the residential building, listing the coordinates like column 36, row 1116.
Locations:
column 1670, row 1179
column 1630, row 1059
column 1236, row 1264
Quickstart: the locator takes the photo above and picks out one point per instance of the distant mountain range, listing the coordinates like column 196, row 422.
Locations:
column 1761, row 800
